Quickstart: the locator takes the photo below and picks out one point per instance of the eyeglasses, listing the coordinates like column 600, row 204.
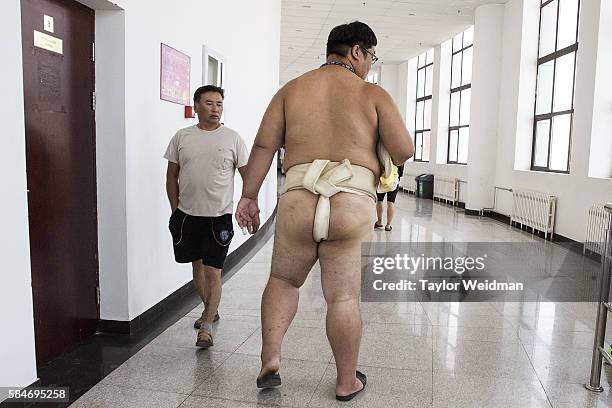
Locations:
column 374, row 57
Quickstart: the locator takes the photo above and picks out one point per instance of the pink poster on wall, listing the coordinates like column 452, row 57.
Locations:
column 175, row 76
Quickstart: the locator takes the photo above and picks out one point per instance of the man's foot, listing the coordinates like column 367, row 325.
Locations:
column 204, row 340
column 198, row 323
column 271, row 380
column 361, row 378
column 377, row 225
column 268, row 376
column 388, row 228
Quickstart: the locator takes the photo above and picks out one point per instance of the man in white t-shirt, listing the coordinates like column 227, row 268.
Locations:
column 202, row 160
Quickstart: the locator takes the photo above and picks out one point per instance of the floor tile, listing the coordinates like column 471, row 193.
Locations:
column 464, row 391
column 300, row 343
column 201, row 402
column 564, row 395
column 561, row 364
column 104, row 395
column 228, row 334
column 170, row 369
column 386, row 388
column 235, row 379
column 401, row 347
column 484, row 359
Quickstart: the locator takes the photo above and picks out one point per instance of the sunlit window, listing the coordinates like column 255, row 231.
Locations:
column 460, row 97
column 554, row 107
column 422, row 133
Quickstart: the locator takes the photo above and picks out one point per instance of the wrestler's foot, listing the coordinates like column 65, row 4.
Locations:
column 268, row 376
column 347, row 394
column 377, row 225
column 388, row 227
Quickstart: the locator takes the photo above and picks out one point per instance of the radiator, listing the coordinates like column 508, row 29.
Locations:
column 407, row 183
column 534, row 209
column 446, row 189
column 598, row 221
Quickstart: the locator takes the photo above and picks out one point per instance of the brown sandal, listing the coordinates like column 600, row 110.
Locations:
column 205, row 339
column 198, row 323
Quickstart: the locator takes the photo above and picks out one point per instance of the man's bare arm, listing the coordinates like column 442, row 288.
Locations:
column 269, row 139
column 172, row 188
column 391, row 128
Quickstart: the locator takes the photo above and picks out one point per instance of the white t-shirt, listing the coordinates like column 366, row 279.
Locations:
column 207, row 162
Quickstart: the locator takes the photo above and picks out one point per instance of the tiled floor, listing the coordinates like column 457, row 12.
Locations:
column 415, row 354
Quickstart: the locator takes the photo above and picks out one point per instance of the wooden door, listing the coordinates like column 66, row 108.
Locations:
column 58, row 78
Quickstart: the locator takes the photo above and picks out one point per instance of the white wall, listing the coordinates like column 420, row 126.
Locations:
column 600, row 163
column 389, row 80
column 247, row 34
column 111, row 164
column 439, row 119
column 402, row 89
column 590, row 175
column 487, row 65
column 133, row 129
column 576, row 191
column 17, row 353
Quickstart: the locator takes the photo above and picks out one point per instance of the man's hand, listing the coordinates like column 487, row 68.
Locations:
column 247, row 214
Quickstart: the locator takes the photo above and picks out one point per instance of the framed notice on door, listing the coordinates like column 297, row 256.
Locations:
column 175, row 76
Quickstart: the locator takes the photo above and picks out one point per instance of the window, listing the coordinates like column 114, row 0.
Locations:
column 460, row 97
column 422, row 127
column 554, row 104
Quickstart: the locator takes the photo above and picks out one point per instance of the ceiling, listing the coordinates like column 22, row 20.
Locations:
column 404, row 28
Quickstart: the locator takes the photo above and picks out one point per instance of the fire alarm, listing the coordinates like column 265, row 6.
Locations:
column 189, row 112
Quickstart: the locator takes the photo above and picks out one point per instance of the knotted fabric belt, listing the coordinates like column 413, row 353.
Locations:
column 326, row 178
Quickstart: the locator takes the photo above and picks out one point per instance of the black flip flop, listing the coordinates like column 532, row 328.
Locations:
column 361, row 377
column 271, row 380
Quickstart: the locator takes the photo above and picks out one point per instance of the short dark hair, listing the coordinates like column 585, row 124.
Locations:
column 207, row 88
column 343, row 37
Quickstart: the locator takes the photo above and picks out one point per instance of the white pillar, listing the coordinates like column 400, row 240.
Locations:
column 486, row 72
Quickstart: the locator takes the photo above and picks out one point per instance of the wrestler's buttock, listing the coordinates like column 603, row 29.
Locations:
column 351, row 215
column 295, row 217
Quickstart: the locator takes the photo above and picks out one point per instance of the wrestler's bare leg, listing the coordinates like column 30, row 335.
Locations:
column 294, row 254
column 340, row 259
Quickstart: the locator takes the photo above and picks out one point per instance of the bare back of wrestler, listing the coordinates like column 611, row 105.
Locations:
column 329, row 113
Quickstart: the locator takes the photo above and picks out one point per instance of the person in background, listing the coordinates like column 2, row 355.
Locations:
column 202, row 160
column 391, row 196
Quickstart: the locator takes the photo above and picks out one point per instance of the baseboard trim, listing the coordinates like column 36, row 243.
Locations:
column 558, row 238
column 234, row 262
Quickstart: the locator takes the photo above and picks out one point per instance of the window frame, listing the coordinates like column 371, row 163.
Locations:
column 418, row 133
column 554, row 56
column 455, row 90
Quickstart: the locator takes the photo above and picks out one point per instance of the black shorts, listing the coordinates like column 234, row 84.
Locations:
column 205, row 238
column 390, row 195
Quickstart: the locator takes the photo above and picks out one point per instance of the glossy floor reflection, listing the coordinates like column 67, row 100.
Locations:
column 488, row 354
